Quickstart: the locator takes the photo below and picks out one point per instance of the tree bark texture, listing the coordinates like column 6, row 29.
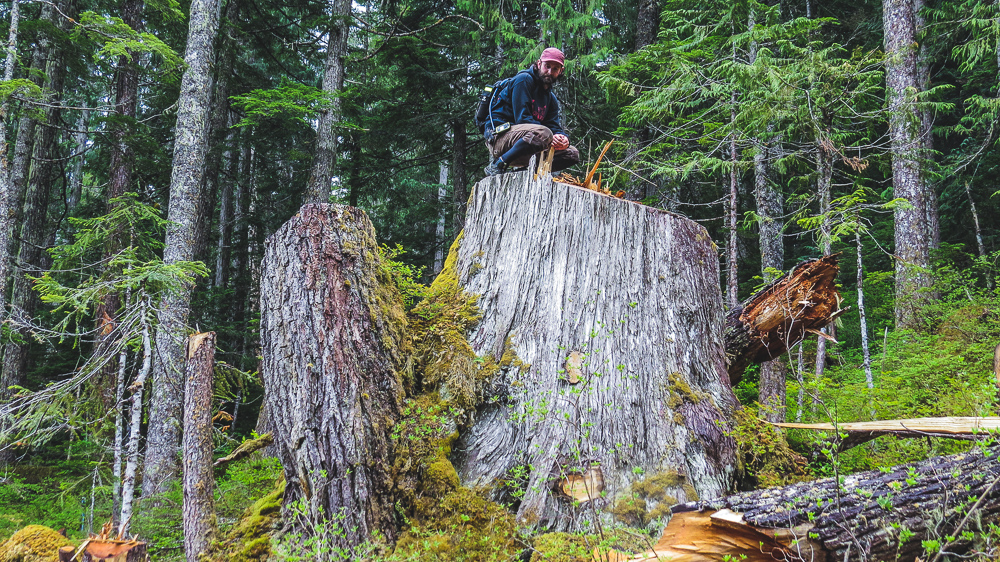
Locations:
column 779, row 315
column 771, row 393
column 34, row 224
column 912, row 247
column 334, row 349
column 630, row 295
column 318, row 190
column 190, row 146
column 122, row 159
column 199, row 481
column 872, row 515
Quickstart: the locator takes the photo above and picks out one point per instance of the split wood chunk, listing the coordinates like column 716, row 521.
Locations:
column 779, row 315
column 710, row 536
column 95, row 549
column 584, row 487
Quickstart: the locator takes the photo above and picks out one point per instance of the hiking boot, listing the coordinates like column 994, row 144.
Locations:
column 496, row 168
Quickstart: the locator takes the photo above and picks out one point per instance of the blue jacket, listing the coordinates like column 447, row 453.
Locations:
column 525, row 100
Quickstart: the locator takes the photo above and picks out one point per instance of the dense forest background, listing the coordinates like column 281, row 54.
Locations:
column 131, row 211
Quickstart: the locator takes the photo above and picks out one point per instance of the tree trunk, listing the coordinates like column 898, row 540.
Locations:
column 865, row 351
column 779, row 315
column 199, row 481
column 320, row 180
column 460, row 194
column 6, row 181
column 190, row 146
column 334, row 348
column 35, row 224
column 135, row 427
column 871, row 516
column 628, row 293
column 122, row 159
column 912, row 250
column 824, row 188
column 647, row 24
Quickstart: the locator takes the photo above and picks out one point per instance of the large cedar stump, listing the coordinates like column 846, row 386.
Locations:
column 334, row 345
column 607, row 320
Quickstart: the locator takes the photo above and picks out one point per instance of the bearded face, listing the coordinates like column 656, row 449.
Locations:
column 549, row 72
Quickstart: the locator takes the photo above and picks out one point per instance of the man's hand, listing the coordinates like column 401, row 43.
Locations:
column 560, row 142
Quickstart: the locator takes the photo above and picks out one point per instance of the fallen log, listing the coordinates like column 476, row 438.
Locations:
column 962, row 428
column 938, row 506
column 779, row 315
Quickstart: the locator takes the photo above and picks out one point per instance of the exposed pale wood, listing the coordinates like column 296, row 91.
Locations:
column 558, row 268
column 333, row 341
column 965, row 428
column 779, row 315
column 996, row 364
column 584, row 487
column 95, row 549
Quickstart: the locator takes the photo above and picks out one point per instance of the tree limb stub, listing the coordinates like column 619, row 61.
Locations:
column 779, row 315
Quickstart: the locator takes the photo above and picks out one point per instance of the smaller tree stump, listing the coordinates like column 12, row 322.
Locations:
column 199, row 481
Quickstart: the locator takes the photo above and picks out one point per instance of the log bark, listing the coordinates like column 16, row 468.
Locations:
column 199, row 482
column 334, row 352
column 779, row 315
column 632, row 292
column 870, row 516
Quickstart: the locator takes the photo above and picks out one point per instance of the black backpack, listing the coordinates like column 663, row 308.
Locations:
column 486, row 100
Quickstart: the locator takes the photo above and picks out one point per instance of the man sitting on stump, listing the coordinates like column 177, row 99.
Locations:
column 524, row 119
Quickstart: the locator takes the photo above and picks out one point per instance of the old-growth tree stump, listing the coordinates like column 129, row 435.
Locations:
column 606, row 319
column 334, row 346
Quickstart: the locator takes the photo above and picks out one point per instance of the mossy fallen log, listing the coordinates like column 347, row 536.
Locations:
column 943, row 505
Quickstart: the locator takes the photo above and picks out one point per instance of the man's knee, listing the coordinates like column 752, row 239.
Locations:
column 538, row 136
column 563, row 159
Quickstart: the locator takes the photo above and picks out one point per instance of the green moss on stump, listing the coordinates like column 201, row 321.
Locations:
column 463, row 526
column 250, row 539
column 34, row 543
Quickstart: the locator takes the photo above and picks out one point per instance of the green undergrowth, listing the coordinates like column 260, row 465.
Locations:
column 578, row 547
column 764, row 455
column 944, row 369
column 249, row 540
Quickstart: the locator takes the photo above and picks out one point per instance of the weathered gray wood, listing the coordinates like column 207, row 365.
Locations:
column 199, row 481
column 633, row 290
column 864, row 518
column 334, row 347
